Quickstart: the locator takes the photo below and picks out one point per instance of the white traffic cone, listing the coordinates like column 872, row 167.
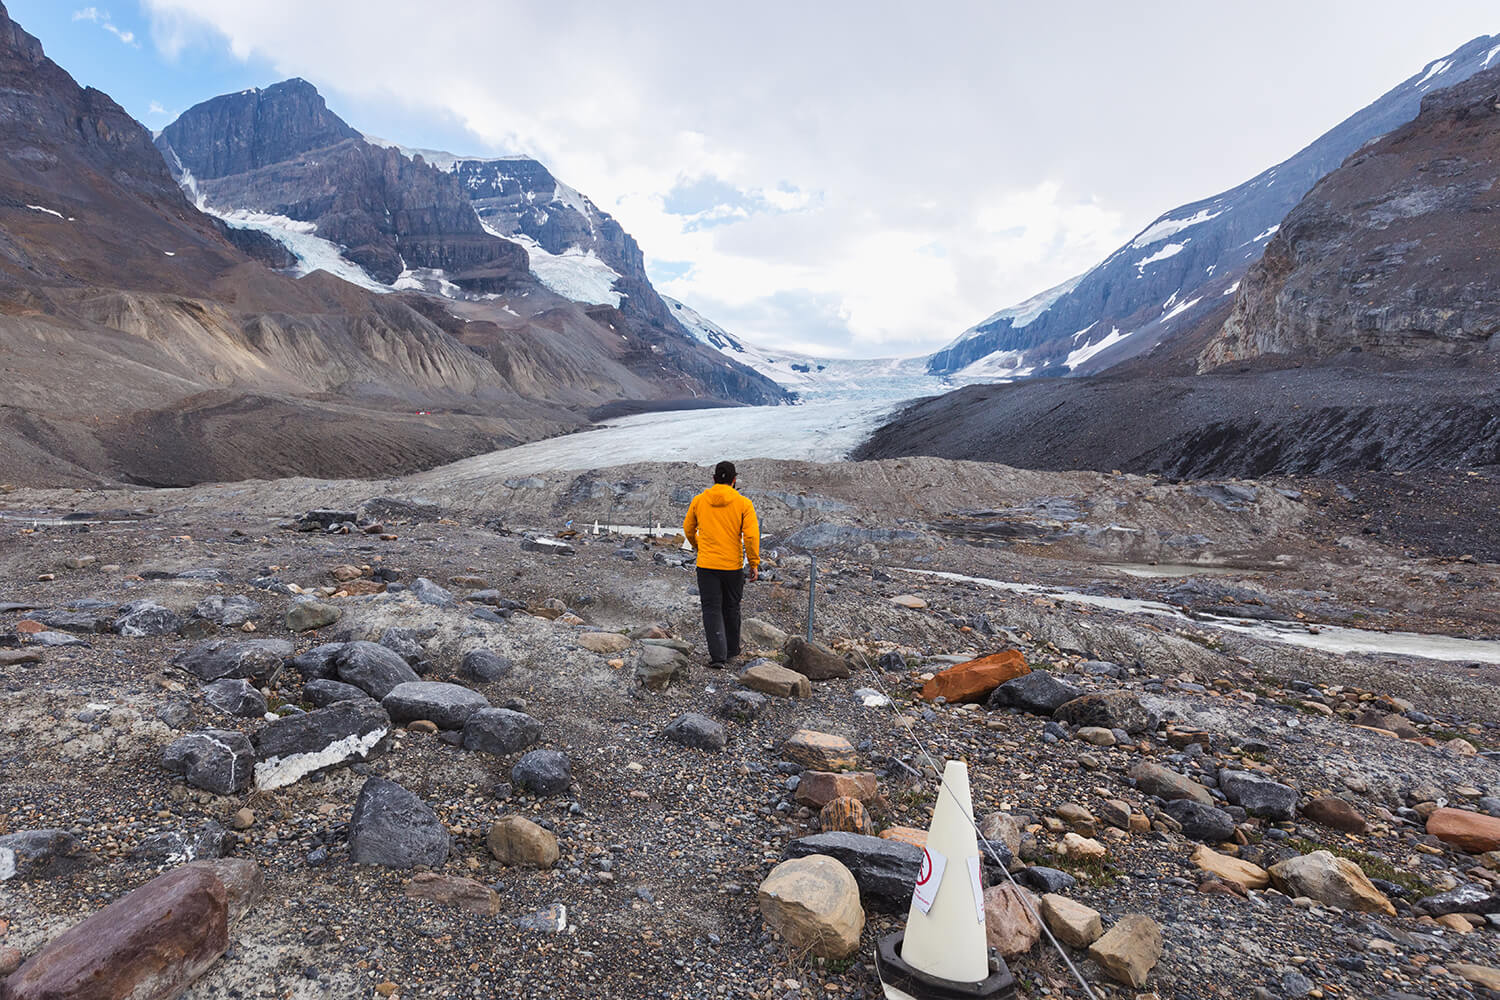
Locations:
column 943, row 953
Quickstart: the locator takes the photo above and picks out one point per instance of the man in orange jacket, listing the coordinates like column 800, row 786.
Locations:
column 721, row 527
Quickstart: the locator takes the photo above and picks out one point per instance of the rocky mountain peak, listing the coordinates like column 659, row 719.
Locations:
column 237, row 133
column 16, row 43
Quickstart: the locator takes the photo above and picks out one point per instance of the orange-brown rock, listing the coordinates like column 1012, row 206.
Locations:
column 973, row 681
column 845, row 814
column 1469, row 831
column 818, row 788
column 905, row 835
column 820, row 751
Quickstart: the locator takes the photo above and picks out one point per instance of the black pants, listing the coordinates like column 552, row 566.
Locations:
column 721, row 590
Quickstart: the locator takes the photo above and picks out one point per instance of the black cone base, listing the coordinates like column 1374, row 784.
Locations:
column 998, row 985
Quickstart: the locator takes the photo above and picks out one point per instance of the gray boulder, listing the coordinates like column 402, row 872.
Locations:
column 324, row 692
column 1108, row 709
column 447, row 705
column 1164, row 783
column 405, row 644
column 743, row 706
column 289, row 749
column 428, row 592
column 177, row 847
column 1259, row 795
column 216, row 760
column 391, row 826
column 500, row 731
column 1468, row 898
column 545, row 772
column 219, row 658
column 696, row 731
column 885, row 870
column 1209, row 824
column 483, row 665
column 139, row 619
column 656, row 667
column 234, row 696
column 33, row 853
column 1037, row 692
column 814, row 660
column 372, row 668
column 230, row 612
column 319, row 661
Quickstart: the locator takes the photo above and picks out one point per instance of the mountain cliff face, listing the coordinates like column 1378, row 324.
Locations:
column 280, row 151
column 1393, row 253
column 1182, row 267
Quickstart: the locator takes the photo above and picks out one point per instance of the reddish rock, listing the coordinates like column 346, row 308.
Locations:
column 818, row 788
column 1469, row 831
column 150, row 945
column 973, row 681
column 452, row 890
column 820, row 751
column 1334, row 813
column 905, row 835
column 845, row 814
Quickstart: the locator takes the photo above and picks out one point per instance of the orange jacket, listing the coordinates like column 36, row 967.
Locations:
column 721, row 527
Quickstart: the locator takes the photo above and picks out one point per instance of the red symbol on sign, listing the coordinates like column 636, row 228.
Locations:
column 926, row 871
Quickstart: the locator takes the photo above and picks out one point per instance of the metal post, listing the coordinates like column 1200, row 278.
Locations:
column 812, row 589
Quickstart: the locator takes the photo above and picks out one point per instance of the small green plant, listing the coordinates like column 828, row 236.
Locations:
column 1096, row 872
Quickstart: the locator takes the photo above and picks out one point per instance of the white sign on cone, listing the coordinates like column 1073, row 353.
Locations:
column 944, row 943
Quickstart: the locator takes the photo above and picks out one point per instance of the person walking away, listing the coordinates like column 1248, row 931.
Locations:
column 722, row 528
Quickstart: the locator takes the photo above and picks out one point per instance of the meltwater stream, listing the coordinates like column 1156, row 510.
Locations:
column 1327, row 638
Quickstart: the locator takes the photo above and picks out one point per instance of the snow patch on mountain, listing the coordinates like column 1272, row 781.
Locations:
column 1168, row 251
column 1087, row 351
column 313, row 253
column 574, row 274
column 1170, row 227
column 1021, row 313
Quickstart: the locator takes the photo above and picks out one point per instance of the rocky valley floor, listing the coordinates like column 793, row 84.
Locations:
column 1232, row 747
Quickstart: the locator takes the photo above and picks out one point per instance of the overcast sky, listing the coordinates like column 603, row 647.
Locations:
column 849, row 178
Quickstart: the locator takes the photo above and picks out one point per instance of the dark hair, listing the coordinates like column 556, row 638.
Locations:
column 724, row 473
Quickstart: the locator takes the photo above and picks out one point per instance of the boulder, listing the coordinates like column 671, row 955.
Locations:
column 885, row 870
column 177, row 846
column 230, row 612
column 500, row 731
column 216, row 760
column 306, row 615
column 1469, row 898
column 1231, row 869
column 820, row 751
column 604, row 643
column 845, row 814
column 1009, row 926
column 372, row 668
column 742, row 706
column 1037, row 692
column 150, row 944
column 1259, row 795
column 756, row 633
column 220, row 658
column 454, row 890
column 814, row 660
column 391, row 826
column 146, row 618
column 773, row 679
column 1332, row 880
column 1085, row 848
column 515, row 840
column 813, row 903
column 974, row 680
column 697, row 731
column 289, row 749
column 1042, row 879
column 36, row 853
column 1164, row 783
column 818, row 788
column 1110, row 709
column 1071, row 922
column 324, row 692
column 318, row 662
column 236, row 697
column 448, row 706
column 656, row 667
column 545, row 772
column 1334, row 813
column 1130, row 950
column 1201, row 822
column 484, row 665
column 428, row 592
column 405, row 644
column 1473, row 832
column 1485, row 976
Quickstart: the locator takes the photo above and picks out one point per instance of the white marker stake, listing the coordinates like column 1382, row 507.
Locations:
column 943, row 939
column 978, row 886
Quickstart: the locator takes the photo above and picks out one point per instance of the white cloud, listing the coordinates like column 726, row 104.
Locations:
column 103, row 20
column 870, row 176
